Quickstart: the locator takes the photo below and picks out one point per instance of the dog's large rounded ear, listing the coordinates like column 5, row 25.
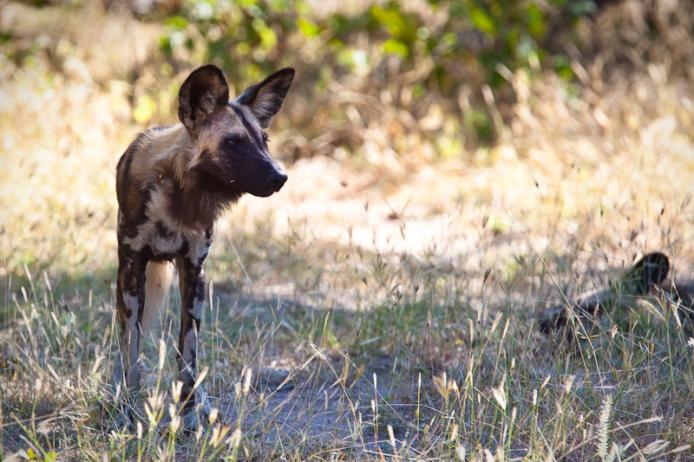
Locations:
column 203, row 91
column 265, row 98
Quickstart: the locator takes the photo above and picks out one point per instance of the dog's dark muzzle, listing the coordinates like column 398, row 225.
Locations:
column 278, row 180
column 264, row 178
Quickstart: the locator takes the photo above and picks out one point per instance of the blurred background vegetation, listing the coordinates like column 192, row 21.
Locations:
column 388, row 85
column 455, row 59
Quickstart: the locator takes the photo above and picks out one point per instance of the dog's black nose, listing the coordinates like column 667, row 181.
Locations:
column 278, row 180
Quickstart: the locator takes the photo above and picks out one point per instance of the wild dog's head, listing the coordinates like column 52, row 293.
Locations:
column 229, row 136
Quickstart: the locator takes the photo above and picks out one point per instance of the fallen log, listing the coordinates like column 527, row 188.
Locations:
column 638, row 281
column 679, row 295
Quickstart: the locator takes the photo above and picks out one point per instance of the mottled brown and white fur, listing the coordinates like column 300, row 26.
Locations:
column 172, row 183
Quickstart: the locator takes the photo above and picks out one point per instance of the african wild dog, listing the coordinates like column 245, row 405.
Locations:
column 172, row 182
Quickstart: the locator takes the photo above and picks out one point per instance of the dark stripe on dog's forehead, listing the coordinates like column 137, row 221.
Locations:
column 252, row 128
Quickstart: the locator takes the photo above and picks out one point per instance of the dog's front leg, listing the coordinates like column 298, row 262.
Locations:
column 192, row 285
column 130, row 302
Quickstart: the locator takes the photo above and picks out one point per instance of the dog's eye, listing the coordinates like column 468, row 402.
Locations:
column 232, row 140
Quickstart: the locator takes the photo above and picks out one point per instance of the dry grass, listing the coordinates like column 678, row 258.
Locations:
column 397, row 290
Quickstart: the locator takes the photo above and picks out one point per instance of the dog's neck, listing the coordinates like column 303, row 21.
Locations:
column 196, row 198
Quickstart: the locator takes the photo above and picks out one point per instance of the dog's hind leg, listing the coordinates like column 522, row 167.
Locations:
column 192, row 285
column 130, row 300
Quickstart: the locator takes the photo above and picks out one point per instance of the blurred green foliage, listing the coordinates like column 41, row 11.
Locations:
column 440, row 45
column 248, row 37
column 242, row 36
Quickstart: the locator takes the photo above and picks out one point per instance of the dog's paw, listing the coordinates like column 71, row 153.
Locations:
column 124, row 421
column 197, row 416
column 191, row 421
column 202, row 402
